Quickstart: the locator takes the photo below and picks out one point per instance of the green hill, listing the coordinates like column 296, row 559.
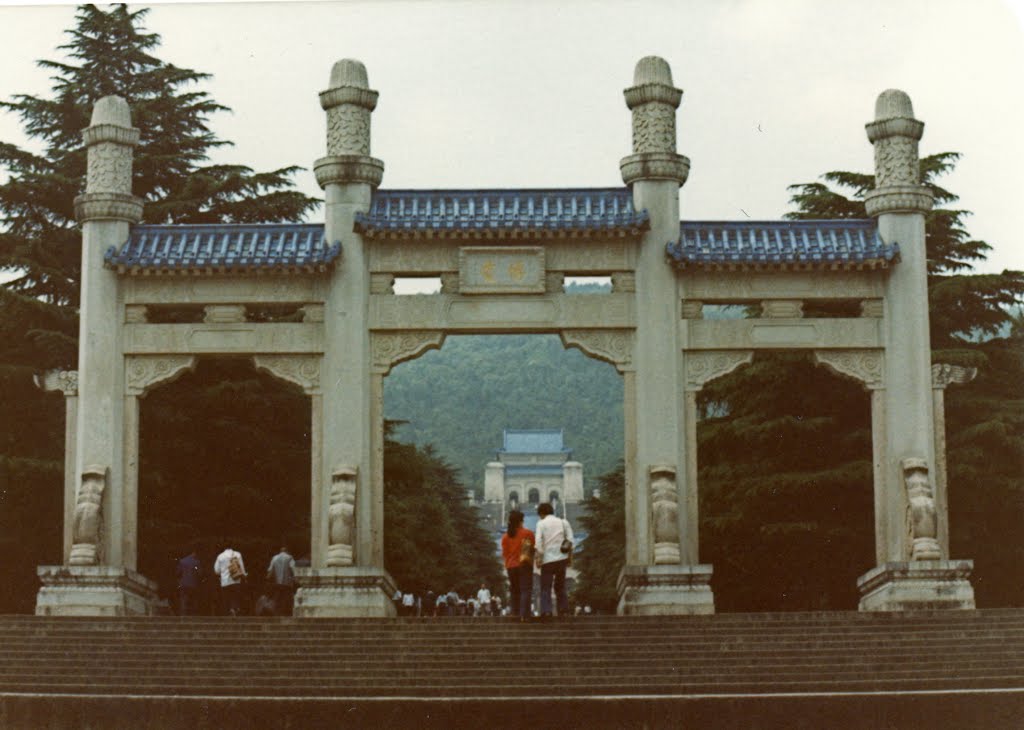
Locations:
column 460, row 398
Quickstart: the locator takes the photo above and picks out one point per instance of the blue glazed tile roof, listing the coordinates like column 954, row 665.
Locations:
column 224, row 249
column 472, row 213
column 801, row 244
column 539, row 441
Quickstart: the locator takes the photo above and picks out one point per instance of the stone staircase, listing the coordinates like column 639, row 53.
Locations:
column 821, row 670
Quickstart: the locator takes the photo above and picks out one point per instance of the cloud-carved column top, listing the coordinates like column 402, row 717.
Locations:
column 895, row 134
column 66, row 381
column 349, row 103
column 653, row 101
column 109, row 140
column 944, row 374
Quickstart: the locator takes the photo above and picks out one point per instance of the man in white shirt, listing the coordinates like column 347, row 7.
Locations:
column 550, row 533
column 483, row 597
column 230, row 579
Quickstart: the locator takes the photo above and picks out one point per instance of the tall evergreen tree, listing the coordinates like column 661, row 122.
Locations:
column 108, row 52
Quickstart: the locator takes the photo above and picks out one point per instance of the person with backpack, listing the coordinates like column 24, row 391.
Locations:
column 553, row 552
column 231, row 569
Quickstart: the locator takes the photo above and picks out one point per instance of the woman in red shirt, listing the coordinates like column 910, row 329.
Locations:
column 517, row 551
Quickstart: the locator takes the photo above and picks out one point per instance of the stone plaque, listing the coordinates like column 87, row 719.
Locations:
column 501, row 270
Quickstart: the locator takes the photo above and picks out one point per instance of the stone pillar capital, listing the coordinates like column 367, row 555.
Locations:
column 895, row 134
column 348, row 102
column 109, row 141
column 654, row 100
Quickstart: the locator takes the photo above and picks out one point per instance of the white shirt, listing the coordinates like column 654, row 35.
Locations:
column 221, row 566
column 549, row 535
column 483, row 595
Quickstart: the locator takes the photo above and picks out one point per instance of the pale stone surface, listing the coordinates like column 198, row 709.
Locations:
column 96, row 590
column 111, row 110
column 917, row 586
column 85, row 543
column 665, row 590
column 341, row 516
column 665, row 514
column 501, row 270
column 353, row 592
column 921, row 510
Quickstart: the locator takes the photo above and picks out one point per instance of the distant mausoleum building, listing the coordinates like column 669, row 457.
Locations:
column 533, row 466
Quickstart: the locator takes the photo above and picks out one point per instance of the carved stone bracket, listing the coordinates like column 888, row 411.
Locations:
column 864, row 366
column 944, row 374
column 391, row 348
column 303, row 370
column 143, row 372
column 703, row 367
column 613, row 346
column 66, row 381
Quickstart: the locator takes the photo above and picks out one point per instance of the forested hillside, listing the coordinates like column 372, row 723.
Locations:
column 460, row 398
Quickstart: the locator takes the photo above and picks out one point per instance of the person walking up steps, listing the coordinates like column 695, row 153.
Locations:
column 553, row 536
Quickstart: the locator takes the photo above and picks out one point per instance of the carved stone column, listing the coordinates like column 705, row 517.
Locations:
column 900, row 203
column 100, row 578
column 348, row 175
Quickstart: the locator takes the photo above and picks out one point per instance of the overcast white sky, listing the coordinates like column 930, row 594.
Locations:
column 514, row 93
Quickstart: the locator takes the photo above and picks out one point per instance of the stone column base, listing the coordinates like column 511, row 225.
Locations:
column 94, row 590
column 917, row 585
column 665, row 590
column 344, row 592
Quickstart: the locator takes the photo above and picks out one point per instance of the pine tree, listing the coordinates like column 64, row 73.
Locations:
column 108, row 52
column 601, row 557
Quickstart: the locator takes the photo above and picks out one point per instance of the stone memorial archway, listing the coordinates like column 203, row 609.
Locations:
column 502, row 257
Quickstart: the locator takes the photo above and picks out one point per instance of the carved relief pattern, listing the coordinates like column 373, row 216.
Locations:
column 66, row 381
column 348, row 130
column 143, row 372
column 703, row 367
column 303, row 370
column 611, row 346
column 896, row 162
column 88, row 517
column 864, row 366
column 665, row 515
column 341, row 517
column 391, row 348
column 654, row 128
column 944, row 374
column 921, row 516
column 109, row 169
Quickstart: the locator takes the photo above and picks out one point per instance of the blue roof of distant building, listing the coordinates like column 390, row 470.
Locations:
column 224, row 249
column 798, row 244
column 466, row 213
column 536, row 441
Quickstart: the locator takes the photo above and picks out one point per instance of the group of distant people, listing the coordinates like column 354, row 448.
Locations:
column 483, row 603
column 547, row 551
column 229, row 567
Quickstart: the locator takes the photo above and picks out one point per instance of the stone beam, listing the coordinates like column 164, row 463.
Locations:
column 509, row 313
column 222, row 290
column 780, row 334
column 710, row 286
column 223, row 339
